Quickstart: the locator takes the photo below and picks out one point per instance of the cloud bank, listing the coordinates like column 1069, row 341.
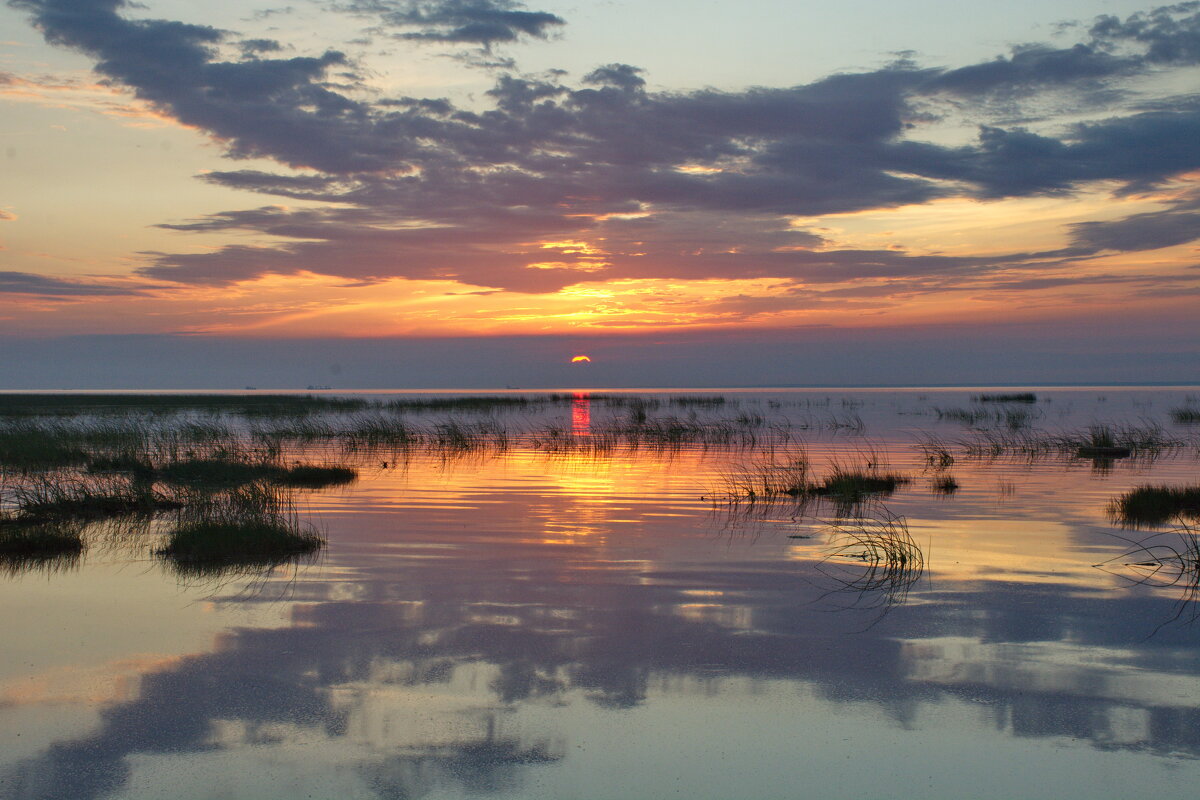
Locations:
column 551, row 183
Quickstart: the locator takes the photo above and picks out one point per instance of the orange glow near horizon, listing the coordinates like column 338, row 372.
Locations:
column 578, row 359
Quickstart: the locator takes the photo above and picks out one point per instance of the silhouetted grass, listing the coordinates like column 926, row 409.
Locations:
column 251, row 525
column 945, row 484
column 214, row 473
column 1186, row 415
column 850, row 487
column 1156, row 505
column 937, row 453
column 1100, row 442
column 1168, row 559
column 1019, row 397
column 17, row 539
column 312, row 476
column 967, row 416
column 99, row 404
column 76, row 497
column 1009, row 417
column 846, row 487
column 33, row 448
column 700, row 401
column 228, row 472
column 789, row 477
column 44, row 547
column 874, row 559
column 1097, row 441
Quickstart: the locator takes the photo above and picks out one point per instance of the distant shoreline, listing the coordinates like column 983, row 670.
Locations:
column 623, row 389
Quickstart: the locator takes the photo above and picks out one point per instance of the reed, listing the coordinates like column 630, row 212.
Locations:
column 39, row 547
column 1017, row 397
column 1188, row 415
column 52, row 498
column 1155, row 505
column 250, row 525
column 874, row 558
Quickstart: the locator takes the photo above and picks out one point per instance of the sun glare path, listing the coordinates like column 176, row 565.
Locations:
column 577, row 359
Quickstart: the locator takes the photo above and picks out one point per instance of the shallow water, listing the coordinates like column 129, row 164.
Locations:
column 606, row 624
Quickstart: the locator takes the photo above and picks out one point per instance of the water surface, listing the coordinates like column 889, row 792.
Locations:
column 607, row 622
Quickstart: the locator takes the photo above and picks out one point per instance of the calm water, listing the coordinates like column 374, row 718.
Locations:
column 533, row 624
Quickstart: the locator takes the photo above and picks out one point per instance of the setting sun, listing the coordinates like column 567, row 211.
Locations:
column 577, row 359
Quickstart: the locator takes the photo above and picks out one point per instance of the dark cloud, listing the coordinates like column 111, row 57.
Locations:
column 253, row 47
column 1169, row 34
column 1148, row 231
column 482, row 22
column 1165, row 36
column 1034, row 66
column 42, row 285
column 278, row 108
column 680, row 184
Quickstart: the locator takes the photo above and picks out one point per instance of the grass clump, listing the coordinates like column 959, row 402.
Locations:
column 33, row 447
column 228, row 472
column 214, row 473
column 32, row 404
column 312, row 476
column 252, row 525
column 1186, row 415
column 853, row 486
column 49, row 547
column 1017, row 397
column 82, row 498
column 1100, row 442
column 945, row 484
column 875, row 560
column 18, row 540
column 1168, row 559
column 1156, row 505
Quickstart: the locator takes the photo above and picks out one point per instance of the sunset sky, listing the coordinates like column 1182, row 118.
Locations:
column 436, row 193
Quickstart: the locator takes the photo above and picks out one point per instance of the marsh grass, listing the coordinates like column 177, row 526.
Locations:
column 1168, row 559
column 29, row 448
column 1155, row 505
column 50, row 498
column 1147, row 440
column 1186, row 415
column 1017, row 397
column 873, row 558
column 230, row 471
column 788, row 477
column 850, row 487
column 1013, row 418
column 68, row 405
column 251, row 526
column 945, row 484
column 937, row 453
column 847, row 487
column 39, row 547
column 316, row 476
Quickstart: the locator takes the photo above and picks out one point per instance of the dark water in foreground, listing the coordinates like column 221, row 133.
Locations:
column 593, row 624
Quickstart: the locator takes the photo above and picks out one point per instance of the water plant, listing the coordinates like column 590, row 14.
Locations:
column 1167, row 559
column 44, row 546
column 945, row 484
column 873, row 558
column 57, row 497
column 1016, row 397
column 1156, row 505
column 250, row 525
column 1187, row 415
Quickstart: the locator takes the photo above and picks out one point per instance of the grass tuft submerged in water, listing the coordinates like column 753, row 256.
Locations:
column 1156, row 505
column 251, row 525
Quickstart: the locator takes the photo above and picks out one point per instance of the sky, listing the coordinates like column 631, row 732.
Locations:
column 469, row 193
